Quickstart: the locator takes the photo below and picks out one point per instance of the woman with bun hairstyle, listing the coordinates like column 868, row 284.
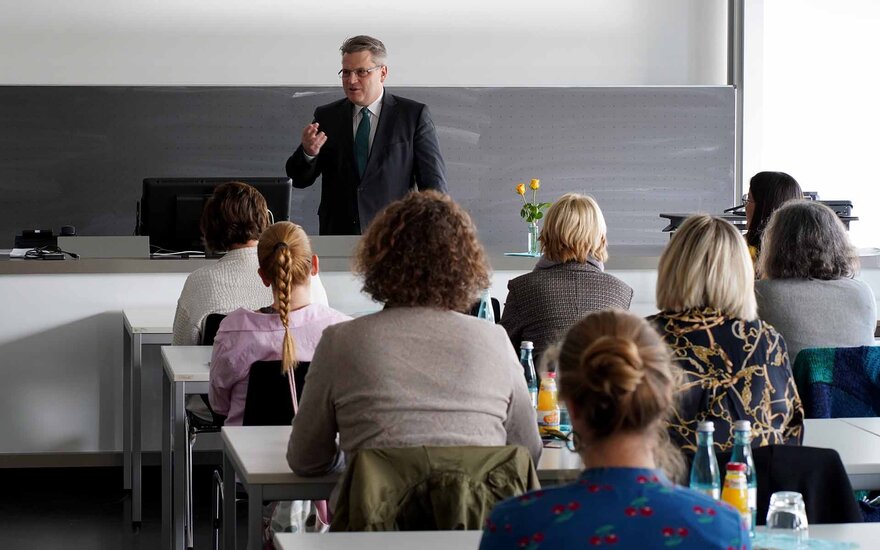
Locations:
column 616, row 378
column 289, row 329
column 735, row 366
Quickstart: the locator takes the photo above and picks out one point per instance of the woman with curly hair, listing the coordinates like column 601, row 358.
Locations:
column 808, row 291
column 419, row 372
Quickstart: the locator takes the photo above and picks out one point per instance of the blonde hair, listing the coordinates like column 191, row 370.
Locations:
column 707, row 265
column 619, row 372
column 574, row 230
column 285, row 256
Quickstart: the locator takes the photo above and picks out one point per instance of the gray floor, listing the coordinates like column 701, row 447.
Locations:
column 86, row 508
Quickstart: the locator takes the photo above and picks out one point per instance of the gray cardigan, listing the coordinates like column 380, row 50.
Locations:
column 406, row 377
column 814, row 314
column 543, row 304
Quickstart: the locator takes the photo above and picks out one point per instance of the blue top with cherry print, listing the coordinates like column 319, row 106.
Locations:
column 615, row 507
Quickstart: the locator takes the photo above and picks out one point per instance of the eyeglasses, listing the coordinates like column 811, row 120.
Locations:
column 746, row 199
column 360, row 73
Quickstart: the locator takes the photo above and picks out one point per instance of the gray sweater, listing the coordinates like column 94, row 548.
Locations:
column 816, row 314
column 405, row 377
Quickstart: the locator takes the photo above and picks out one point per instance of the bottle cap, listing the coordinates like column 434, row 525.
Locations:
column 736, row 467
column 551, row 374
column 742, row 426
column 526, row 344
column 706, row 426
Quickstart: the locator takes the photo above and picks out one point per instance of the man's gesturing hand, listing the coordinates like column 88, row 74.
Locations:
column 312, row 139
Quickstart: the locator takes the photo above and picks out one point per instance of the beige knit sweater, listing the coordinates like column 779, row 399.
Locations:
column 406, row 377
column 223, row 287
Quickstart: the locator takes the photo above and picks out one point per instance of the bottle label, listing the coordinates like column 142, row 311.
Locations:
column 548, row 419
column 713, row 492
column 533, row 397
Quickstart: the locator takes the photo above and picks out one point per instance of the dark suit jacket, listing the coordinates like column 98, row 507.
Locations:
column 405, row 154
column 543, row 304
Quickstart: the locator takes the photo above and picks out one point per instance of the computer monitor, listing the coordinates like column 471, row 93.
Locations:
column 171, row 208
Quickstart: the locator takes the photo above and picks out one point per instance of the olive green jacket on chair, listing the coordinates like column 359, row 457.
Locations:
column 429, row 488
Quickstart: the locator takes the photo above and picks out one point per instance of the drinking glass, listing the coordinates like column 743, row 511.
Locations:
column 787, row 515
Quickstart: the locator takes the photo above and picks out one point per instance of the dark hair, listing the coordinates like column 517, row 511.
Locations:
column 422, row 250
column 769, row 190
column 234, row 214
column 806, row 240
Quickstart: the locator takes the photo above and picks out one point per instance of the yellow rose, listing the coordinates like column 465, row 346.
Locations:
column 535, row 184
column 521, row 189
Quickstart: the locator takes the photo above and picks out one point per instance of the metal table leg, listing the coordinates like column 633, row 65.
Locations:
column 255, row 517
column 229, row 517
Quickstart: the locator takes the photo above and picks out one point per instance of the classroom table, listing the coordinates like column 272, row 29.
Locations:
column 186, row 370
column 869, row 424
column 141, row 327
column 257, row 456
column 863, row 534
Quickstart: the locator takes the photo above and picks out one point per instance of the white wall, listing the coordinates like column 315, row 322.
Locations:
column 820, row 111
column 455, row 42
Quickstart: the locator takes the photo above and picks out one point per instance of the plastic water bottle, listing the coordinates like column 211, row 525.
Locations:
column 742, row 452
column 486, row 311
column 528, row 364
column 548, row 404
column 705, row 476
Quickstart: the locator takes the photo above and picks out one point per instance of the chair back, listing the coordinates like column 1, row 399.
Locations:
column 429, row 488
column 817, row 474
column 839, row 382
column 268, row 401
column 210, row 328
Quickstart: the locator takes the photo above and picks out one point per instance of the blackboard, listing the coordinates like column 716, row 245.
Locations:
column 77, row 155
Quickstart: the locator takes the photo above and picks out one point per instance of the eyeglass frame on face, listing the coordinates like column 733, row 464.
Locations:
column 359, row 73
column 746, row 199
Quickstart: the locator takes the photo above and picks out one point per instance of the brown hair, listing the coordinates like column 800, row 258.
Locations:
column 574, row 230
column 806, row 240
column 234, row 214
column 285, row 256
column 422, row 250
column 619, row 372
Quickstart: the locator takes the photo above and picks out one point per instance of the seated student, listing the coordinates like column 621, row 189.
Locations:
column 569, row 280
column 808, row 292
column 735, row 366
column 288, row 330
column 616, row 378
column 767, row 192
column 418, row 372
column 233, row 218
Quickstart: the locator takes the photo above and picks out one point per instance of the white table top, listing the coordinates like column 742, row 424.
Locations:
column 187, row 363
column 868, row 424
column 153, row 320
column 859, row 449
column 864, row 534
column 259, row 453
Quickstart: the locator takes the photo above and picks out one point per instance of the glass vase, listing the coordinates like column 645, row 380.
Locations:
column 533, row 240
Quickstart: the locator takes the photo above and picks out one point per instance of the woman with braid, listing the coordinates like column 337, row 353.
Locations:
column 289, row 329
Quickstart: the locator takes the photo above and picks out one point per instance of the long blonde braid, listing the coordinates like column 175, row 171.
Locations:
column 286, row 258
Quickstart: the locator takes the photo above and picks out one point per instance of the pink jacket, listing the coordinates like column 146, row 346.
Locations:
column 245, row 337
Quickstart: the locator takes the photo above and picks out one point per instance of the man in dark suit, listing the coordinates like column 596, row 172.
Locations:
column 370, row 148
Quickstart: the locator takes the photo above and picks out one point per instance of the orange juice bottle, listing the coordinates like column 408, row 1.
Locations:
column 736, row 490
column 548, row 404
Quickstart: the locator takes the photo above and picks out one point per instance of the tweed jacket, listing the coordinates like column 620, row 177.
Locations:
column 543, row 304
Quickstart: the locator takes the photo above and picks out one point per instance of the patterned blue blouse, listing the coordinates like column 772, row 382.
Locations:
column 619, row 508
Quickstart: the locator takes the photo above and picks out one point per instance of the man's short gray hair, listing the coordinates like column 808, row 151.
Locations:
column 364, row 43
